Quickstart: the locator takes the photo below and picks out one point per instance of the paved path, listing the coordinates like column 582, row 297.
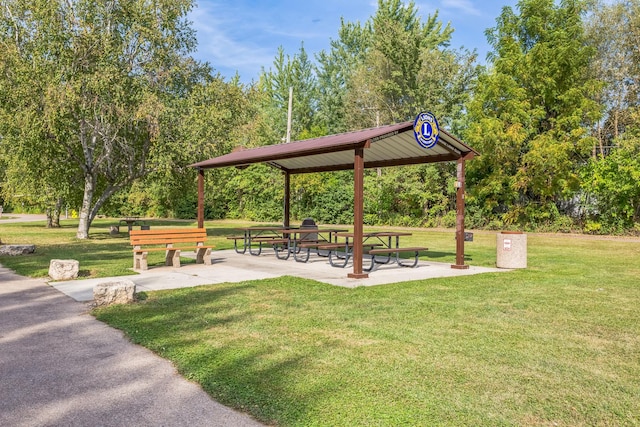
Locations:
column 59, row 366
column 10, row 217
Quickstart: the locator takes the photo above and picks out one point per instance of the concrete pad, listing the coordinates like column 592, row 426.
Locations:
column 229, row 266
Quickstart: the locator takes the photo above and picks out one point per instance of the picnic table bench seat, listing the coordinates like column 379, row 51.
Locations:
column 334, row 248
column 145, row 241
column 397, row 251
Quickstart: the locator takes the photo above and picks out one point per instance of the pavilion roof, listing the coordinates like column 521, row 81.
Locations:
column 391, row 145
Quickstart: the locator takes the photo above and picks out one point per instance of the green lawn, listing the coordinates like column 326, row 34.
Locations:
column 555, row 344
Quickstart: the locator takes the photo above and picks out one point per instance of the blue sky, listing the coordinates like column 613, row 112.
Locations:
column 244, row 35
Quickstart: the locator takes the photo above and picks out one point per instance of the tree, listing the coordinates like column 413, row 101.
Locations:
column 335, row 69
column 289, row 72
column 97, row 76
column 614, row 31
column 610, row 180
column 531, row 112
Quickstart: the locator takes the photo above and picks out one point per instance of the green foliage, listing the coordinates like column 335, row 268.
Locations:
column 611, row 183
column 95, row 78
column 529, row 111
column 325, row 197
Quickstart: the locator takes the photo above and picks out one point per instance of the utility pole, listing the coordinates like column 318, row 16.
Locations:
column 289, row 114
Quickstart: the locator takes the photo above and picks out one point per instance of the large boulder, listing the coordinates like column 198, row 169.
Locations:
column 64, row 269
column 13, row 250
column 120, row 291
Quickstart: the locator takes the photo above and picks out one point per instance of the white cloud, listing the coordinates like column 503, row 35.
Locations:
column 222, row 40
column 464, row 6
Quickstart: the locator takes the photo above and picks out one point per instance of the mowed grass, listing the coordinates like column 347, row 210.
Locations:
column 555, row 344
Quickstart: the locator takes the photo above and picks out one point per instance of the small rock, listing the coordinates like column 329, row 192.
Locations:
column 64, row 269
column 13, row 250
column 114, row 292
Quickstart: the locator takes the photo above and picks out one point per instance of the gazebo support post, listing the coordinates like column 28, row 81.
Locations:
column 460, row 184
column 287, row 200
column 358, row 213
column 200, row 198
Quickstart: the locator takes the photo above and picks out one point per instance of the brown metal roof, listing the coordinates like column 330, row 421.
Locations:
column 391, row 145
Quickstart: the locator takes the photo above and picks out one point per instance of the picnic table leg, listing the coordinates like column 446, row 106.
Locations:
column 244, row 245
column 251, row 248
column 295, row 253
column 347, row 255
column 286, row 248
column 402, row 264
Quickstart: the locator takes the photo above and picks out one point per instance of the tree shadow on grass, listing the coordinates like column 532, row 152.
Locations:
column 221, row 337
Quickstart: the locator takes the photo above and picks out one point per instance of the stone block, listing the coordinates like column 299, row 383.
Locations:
column 114, row 230
column 13, row 250
column 119, row 291
column 64, row 269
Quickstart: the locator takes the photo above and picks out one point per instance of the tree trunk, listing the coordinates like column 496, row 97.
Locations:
column 49, row 213
column 85, row 210
column 55, row 219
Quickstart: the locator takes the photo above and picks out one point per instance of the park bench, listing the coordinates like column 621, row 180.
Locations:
column 145, row 241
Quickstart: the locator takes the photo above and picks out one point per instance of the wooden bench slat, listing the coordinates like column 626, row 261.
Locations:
column 152, row 241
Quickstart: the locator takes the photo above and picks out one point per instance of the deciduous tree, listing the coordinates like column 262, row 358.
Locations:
column 97, row 74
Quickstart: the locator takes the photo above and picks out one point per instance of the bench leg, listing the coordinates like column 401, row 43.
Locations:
column 140, row 261
column 203, row 256
column 172, row 258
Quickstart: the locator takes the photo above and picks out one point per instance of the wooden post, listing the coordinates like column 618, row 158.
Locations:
column 200, row 198
column 460, row 184
column 287, row 199
column 358, row 214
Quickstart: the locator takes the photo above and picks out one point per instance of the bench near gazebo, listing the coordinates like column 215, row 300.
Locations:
column 409, row 143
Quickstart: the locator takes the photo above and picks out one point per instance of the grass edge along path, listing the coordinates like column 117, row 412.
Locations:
column 550, row 345
column 555, row 344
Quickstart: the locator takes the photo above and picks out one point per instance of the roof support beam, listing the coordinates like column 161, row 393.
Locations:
column 358, row 214
column 200, row 198
column 287, row 200
column 460, row 184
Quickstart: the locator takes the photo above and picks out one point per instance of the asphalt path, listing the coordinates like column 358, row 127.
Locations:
column 59, row 366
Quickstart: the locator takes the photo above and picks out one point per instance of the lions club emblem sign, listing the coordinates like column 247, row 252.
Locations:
column 426, row 130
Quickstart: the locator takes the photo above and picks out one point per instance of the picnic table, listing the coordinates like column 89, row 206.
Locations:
column 130, row 221
column 379, row 243
column 304, row 239
column 267, row 234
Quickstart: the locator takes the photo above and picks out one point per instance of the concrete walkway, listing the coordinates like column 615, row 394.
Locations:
column 231, row 267
column 59, row 366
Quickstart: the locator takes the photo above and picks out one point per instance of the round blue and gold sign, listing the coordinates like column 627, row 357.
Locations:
column 426, row 130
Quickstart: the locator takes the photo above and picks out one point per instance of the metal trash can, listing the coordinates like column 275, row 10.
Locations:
column 511, row 249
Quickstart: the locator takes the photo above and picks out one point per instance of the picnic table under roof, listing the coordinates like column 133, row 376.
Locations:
column 392, row 145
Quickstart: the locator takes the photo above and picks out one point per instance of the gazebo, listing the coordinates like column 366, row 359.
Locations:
column 392, row 145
